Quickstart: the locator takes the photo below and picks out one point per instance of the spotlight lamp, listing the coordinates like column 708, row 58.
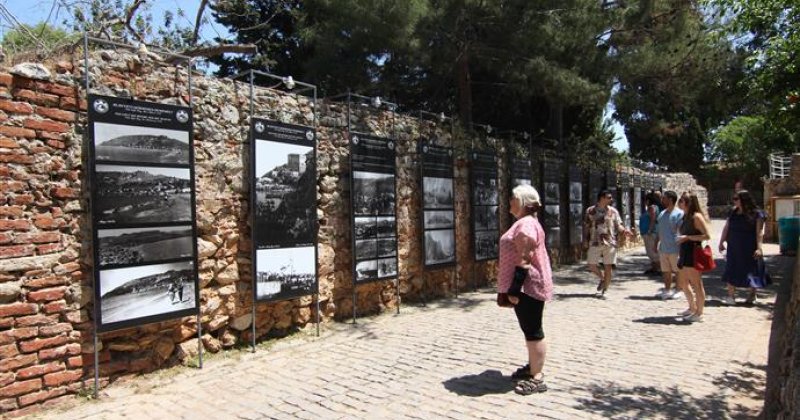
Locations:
column 442, row 117
column 526, row 135
column 376, row 102
column 488, row 129
column 288, row 81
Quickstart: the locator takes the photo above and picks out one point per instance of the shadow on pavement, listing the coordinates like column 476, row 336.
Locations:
column 635, row 297
column 574, row 295
column 612, row 401
column 749, row 379
column 662, row 320
column 488, row 382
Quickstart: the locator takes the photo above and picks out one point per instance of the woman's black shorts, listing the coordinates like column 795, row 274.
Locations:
column 529, row 314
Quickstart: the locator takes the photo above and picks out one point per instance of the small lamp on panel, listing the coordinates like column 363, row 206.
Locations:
column 442, row 117
column 376, row 102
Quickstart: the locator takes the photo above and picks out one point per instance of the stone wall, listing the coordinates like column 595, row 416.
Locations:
column 782, row 395
column 46, row 286
column 782, row 187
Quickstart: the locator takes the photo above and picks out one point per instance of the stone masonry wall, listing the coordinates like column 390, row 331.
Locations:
column 46, row 286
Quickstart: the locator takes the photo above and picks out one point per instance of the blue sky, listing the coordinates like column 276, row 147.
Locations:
column 35, row 11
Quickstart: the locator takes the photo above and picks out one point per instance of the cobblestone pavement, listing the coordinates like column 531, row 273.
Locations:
column 627, row 356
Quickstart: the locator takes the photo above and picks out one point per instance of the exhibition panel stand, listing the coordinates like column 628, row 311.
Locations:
column 142, row 206
column 283, row 199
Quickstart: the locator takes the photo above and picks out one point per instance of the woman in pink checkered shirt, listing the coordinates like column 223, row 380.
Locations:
column 523, row 255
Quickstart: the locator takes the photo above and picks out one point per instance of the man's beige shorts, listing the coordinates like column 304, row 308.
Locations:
column 606, row 254
column 669, row 262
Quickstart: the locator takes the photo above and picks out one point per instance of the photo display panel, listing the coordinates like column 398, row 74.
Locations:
column 438, row 207
column 551, row 197
column 484, row 198
column 625, row 199
column 143, row 212
column 521, row 171
column 637, row 197
column 373, row 207
column 284, row 203
column 575, row 205
column 596, row 184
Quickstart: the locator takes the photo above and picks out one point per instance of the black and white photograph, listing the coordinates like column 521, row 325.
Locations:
column 387, row 267
column 438, row 219
column 387, row 247
column 486, row 243
column 440, row 247
column 285, row 194
column 437, row 192
column 144, row 245
column 366, row 249
column 552, row 192
column 144, row 291
column 576, row 220
column 520, row 181
column 285, row 272
column 484, row 191
column 575, row 192
column 385, row 227
column 485, row 217
column 140, row 194
column 373, row 193
column 366, row 270
column 553, row 237
column 128, row 143
column 552, row 215
column 365, row 227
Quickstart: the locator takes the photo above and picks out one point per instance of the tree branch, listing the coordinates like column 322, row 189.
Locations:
column 129, row 17
column 213, row 50
column 196, row 32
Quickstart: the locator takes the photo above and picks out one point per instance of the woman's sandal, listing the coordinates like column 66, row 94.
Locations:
column 530, row 386
column 524, row 372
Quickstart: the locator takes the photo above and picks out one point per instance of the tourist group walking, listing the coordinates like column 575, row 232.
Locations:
column 674, row 229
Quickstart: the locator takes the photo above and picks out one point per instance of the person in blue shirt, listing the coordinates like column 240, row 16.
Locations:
column 647, row 228
column 669, row 222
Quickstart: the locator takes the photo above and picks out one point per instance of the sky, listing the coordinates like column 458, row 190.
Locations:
column 35, row 11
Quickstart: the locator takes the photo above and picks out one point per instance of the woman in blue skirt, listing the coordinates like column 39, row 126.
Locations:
column 744, row 232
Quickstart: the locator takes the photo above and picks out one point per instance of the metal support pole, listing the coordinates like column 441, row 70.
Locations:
column 316, row 302
column 96, row 363
column 253, row 324
column 354, row 303
column 199, row 341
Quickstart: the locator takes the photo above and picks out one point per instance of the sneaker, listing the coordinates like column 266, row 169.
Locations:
column 752, row 299
column 728, row 301
column 661, row 293
column 685, row 313
column 676, row 294
column 693, row 318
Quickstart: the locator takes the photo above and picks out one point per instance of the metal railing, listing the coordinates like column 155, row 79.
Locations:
column 779, row 165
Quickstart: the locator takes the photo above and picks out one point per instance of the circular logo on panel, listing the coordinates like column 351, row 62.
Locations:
column 424, row 149
column 259, row 127
column 100, row 105
column 449, row 152
column 182, row 116
column 309, row 135
column 355, row 139
column 390, row 145
column 474, row 156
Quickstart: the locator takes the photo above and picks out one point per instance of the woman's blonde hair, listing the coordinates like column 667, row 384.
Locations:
column 528, row 197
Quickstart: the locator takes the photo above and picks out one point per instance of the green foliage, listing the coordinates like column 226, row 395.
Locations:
column 770, row 32
column 46, row 36
column 742, row 146
column 677, row 82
